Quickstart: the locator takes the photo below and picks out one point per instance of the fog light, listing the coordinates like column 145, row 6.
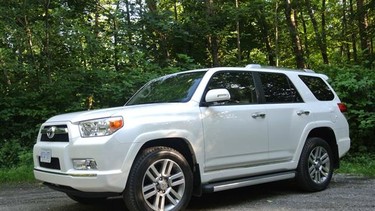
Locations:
column 84, row 164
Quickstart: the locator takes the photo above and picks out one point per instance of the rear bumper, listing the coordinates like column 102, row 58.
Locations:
column 343, row 146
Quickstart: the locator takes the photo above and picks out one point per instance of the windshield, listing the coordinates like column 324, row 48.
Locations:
column 168, row 89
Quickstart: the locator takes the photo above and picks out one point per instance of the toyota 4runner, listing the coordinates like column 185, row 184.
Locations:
column 198, row 131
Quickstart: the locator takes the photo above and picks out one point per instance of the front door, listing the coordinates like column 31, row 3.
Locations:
column 235, row 132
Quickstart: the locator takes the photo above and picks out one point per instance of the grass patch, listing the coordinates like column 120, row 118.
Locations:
column 358, row 164
column 22, row 173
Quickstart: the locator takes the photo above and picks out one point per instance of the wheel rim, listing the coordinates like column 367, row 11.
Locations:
column 319, row 165
column 163, row 185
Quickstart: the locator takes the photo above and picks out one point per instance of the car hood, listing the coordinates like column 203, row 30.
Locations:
column 86, row 115
column 136, row 111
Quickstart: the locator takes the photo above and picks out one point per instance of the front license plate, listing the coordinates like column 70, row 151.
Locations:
column 45, row 155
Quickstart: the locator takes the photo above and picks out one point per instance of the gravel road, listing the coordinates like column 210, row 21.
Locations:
column 344, row 193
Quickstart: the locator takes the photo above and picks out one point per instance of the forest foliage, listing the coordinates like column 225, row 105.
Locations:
column 59, row 56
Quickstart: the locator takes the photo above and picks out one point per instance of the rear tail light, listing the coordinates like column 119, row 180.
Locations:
column 342, row 107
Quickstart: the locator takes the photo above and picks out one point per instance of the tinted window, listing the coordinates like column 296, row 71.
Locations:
column 239, row 84
column 318, row 87
column 167, row 89
column 278, row 88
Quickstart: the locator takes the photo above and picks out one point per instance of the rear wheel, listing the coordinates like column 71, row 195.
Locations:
column 160, row 179
column 315, row 167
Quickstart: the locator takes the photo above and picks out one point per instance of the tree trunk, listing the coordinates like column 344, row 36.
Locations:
column 363, row 28
column 277, row 32
column 266, row 38
column 46, row 41
column 353, row 32
column 292, row 27
column 345, row 45
column 175, row 10
column 29, row 38
column 305, row 36
column 161, row 42
column 324, row 34
column 214, row 46
column 127, row 20
column 151, row 4
column 238, row 35
column 319, row 37
column 212, row 38
column 25, row 23
column 6, row 76
column 96, row 26
column 143, row 27
column 115, row 37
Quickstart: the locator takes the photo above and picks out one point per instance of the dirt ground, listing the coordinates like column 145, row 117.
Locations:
column 344, row 193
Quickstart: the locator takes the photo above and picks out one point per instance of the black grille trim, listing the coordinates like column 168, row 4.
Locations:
column 60, row 133
column 55, row 164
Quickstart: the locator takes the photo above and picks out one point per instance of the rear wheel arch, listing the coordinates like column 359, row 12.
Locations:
column 328, row 135
column 315, row 167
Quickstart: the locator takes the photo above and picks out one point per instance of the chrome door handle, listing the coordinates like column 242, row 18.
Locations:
column 299, row 113
column 256, row 115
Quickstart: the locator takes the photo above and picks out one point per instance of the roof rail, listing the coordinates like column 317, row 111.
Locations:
column 278, row 68
column 309, row 70
column 253, row 66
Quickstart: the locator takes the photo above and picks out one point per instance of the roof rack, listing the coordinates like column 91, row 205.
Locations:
column 253, row 66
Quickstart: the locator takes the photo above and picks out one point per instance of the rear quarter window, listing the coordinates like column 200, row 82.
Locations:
column 318, row 87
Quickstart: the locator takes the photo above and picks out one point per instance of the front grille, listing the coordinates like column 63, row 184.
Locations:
column 55, row 164
column 55, row 133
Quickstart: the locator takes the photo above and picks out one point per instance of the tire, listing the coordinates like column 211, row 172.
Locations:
column 86, row 200
column 160, row 179
column 315, row 167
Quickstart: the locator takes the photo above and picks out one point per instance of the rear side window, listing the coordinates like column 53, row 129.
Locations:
column 318, row 87
column 278, row 88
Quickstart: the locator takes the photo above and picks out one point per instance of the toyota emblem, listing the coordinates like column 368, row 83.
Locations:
column 51, row 132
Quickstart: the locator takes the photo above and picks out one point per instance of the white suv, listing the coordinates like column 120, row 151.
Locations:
column 198, row 131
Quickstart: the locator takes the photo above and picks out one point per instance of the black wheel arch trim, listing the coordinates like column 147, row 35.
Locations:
column 328, row 135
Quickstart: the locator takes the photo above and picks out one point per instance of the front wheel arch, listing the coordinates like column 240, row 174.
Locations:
column 160, row 179
column 184, row 147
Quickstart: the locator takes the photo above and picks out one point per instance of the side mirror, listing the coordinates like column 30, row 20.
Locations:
column 217, row 95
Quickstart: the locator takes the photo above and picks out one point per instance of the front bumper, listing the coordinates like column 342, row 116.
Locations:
column 83, row 181
column 72, row 191
column 108, row 153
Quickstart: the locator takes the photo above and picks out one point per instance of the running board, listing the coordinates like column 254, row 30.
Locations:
column 220, row 186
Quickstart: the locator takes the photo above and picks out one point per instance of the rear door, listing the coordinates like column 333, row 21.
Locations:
column 287, row 115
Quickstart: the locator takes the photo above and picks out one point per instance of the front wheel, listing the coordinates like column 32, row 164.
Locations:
column 160, row 179
column 315, row 167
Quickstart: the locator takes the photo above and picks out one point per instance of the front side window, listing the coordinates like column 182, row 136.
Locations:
column 318, row 87
column 239, row 84
column 278, row 88
column 176, row 88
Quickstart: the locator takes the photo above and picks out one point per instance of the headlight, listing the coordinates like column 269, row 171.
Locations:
column 100, row 127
